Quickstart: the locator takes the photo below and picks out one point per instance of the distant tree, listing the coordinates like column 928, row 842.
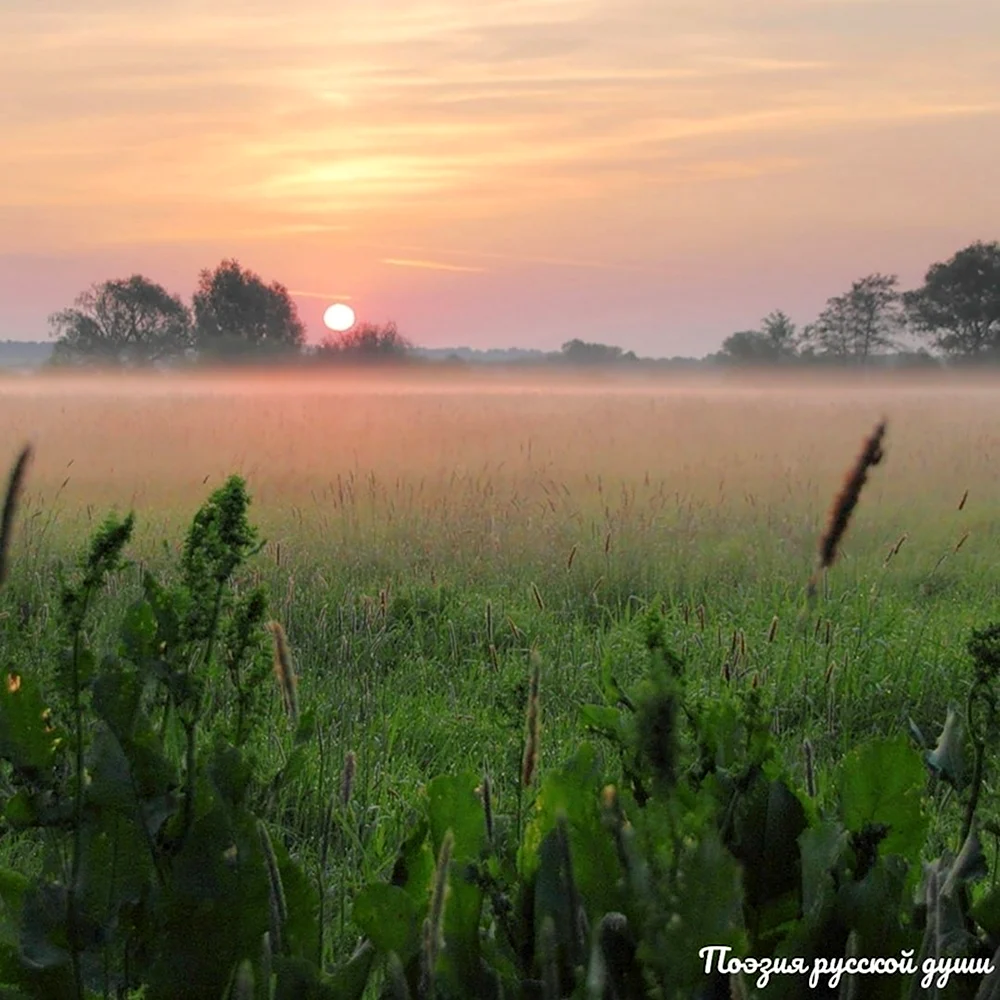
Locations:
column 132, row 320
column 580, row 352
column 748, row 347
column 831, row 333
column 863, row 321
column 781, row 333
column 958, row 306
column 366, row 342
column 775, row 341
column 237, row 314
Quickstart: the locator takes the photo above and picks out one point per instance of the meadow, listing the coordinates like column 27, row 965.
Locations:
column 424, row 533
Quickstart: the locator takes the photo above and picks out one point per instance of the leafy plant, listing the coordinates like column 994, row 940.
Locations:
column 157, row 872
column 678, row 831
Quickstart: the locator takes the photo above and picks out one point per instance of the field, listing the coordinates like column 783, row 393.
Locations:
column 423, row 534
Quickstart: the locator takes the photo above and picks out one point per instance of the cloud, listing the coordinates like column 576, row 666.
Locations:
column 429, row 265
column 328, row 296
column 156, row 122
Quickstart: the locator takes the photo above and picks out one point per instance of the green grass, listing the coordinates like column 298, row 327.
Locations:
column 382, row 574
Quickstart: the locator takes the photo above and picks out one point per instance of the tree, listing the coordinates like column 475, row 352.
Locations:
column 132, row 320
column 775, row 341
column 958, row 306
column 579, row 352
column 236, row 313
column 863, row 321
column 366, row 342
column 780, row 333
column 748, row 347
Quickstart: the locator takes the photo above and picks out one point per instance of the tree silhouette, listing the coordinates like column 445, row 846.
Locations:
column 863, row 321
column 780, row 332
column 775, row 341
column 132, row 320
column 580, row 352
column 237, row 314
column 958, row 306
column 365, row 342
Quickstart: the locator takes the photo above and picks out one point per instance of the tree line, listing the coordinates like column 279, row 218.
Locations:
column 954, row 313
column 234, row 315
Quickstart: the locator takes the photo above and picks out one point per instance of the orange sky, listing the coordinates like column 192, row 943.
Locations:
column 654, row 173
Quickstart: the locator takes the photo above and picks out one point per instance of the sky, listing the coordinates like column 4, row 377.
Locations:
column 650, row 173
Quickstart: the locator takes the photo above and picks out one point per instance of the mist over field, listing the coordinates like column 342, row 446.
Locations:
column 740, row 444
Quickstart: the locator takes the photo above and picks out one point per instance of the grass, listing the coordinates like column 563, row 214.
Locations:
column 423, row 537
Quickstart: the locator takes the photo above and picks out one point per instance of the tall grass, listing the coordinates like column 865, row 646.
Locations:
column 395, row 514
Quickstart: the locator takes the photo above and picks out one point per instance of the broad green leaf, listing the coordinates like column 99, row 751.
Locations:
column 111, row 785
column 44, row 943
column 605, row 720
column 348, row 981
column 452, row 804
column 117, row 697
column 214, row 910
column 388, row 915
column 986, row 911
column 414, row 867
column 463, row 911
column 302, row 899
column 821, row 849
column 947, row 757
column 574, row 791
column 767, row 822
column 139, row 632
column 231, row 773
column 882, row 782
column 13, row 886
column 19, row 810
column 872, row 908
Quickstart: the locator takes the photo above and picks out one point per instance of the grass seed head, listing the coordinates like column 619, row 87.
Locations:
column 15, row 484
column 533, row 725
column 807, row 749
column 773, row 630
column 284, row 671
column 871, row 454
column 433, row 930
column 347, row 778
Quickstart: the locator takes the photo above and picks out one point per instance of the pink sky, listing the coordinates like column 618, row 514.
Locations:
column 652, row 173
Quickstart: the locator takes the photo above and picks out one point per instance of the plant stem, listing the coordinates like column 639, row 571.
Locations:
column 71, row 913
column 189, row 723
column 189, row 762
column 977, row 772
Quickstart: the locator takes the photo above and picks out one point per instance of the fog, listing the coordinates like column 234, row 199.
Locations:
column 419, row 439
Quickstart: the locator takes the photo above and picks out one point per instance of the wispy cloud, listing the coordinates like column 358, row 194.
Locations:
column 430, row 265
column 329, row 296
column 345, row 113
column 510, row 258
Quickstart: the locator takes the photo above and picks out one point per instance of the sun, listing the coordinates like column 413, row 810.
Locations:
column 339, row 317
